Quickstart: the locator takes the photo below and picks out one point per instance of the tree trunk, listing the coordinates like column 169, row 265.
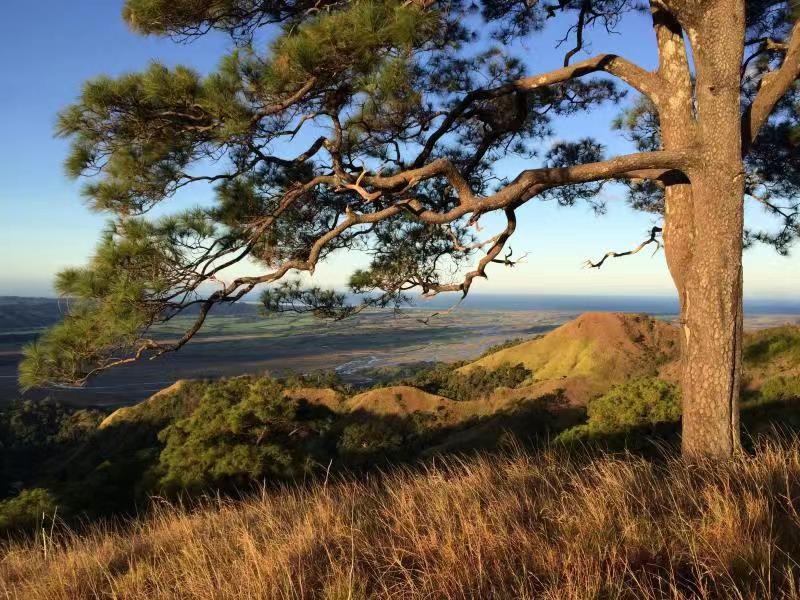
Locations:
column 703, row 228
column 712, row 322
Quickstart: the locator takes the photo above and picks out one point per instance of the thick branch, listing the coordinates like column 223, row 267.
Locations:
column 773, row 87
column 644, row 81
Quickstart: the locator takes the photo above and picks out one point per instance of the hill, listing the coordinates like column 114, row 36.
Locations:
column 615, row 345
column 588, row 355
column 576, row 362
column 228, row 435
column 550, row 526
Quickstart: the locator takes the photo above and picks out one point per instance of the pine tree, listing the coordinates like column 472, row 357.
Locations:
column 411, row 119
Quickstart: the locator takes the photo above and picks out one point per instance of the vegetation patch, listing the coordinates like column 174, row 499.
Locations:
column 446, row 380
column 778, row 347
column 629, row 414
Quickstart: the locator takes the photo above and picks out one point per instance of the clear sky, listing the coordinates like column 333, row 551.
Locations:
column 48, row 48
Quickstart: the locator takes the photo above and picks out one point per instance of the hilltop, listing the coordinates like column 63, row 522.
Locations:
column 596, row 344
column 593, row 352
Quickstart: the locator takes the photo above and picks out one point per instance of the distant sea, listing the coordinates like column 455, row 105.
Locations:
column 655, row 305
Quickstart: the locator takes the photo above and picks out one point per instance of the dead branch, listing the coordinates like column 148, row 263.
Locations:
column 651, row 240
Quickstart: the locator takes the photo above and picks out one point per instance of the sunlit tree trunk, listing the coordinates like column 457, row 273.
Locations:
column 704, row 220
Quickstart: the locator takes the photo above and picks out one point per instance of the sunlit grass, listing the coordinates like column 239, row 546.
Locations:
column 518, row 526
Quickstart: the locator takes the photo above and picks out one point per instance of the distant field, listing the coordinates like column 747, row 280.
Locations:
column 244, row 342
column 300, row 343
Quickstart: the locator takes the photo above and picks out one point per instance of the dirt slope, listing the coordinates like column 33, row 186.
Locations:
column 156, row 403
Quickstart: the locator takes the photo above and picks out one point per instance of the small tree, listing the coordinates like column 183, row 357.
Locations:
column 379, row 124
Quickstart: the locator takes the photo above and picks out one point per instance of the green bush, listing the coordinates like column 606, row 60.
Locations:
column 772, row 345
column 629, row 412
column 242, row 430
column 362, row 442
column 26, row 510
column 316, row 379
column 445, row 380
column 507, row 344
column 32, row 431
column 780, row 388
column 636, row 403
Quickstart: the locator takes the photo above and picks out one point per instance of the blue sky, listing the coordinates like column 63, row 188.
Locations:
column 50, row 47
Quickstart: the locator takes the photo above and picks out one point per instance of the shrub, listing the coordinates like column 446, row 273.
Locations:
column 316, row 379
column 26, row 510
column 32, row 431
column 780, row 388
column 243, row 429
column 446, row 380
column 365, row 442
column 78, row 426
column 774, row 344
column 507, row 344
column 628, row 413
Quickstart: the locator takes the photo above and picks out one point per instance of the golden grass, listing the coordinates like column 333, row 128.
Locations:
column 545, row 527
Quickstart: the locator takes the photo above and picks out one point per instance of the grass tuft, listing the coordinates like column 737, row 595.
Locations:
column 549, row 526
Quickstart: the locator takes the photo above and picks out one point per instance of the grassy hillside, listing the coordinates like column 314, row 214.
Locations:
column 232, row 435
column 771, row 352
column 551, row 526
column 592, row 352
column 304, row 508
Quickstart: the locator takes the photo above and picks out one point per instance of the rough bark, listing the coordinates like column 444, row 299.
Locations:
column 706, row 260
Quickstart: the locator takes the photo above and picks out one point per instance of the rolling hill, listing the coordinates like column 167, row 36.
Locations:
column 586, row 356
column 580, row 359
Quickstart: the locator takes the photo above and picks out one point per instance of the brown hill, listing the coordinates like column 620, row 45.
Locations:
column 588, row 355
column 403, row 400
column 158, row 404
column 179, row 399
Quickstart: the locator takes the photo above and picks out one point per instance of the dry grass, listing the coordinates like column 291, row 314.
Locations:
column 545, row 527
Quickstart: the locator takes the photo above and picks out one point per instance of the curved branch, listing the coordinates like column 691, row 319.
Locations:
column 774, row 86
column 490, row 257
column 645, row 82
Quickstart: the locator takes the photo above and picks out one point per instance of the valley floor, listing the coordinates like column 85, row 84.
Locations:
column 239, row 344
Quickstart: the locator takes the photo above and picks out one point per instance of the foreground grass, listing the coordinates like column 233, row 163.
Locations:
column 517, row 526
